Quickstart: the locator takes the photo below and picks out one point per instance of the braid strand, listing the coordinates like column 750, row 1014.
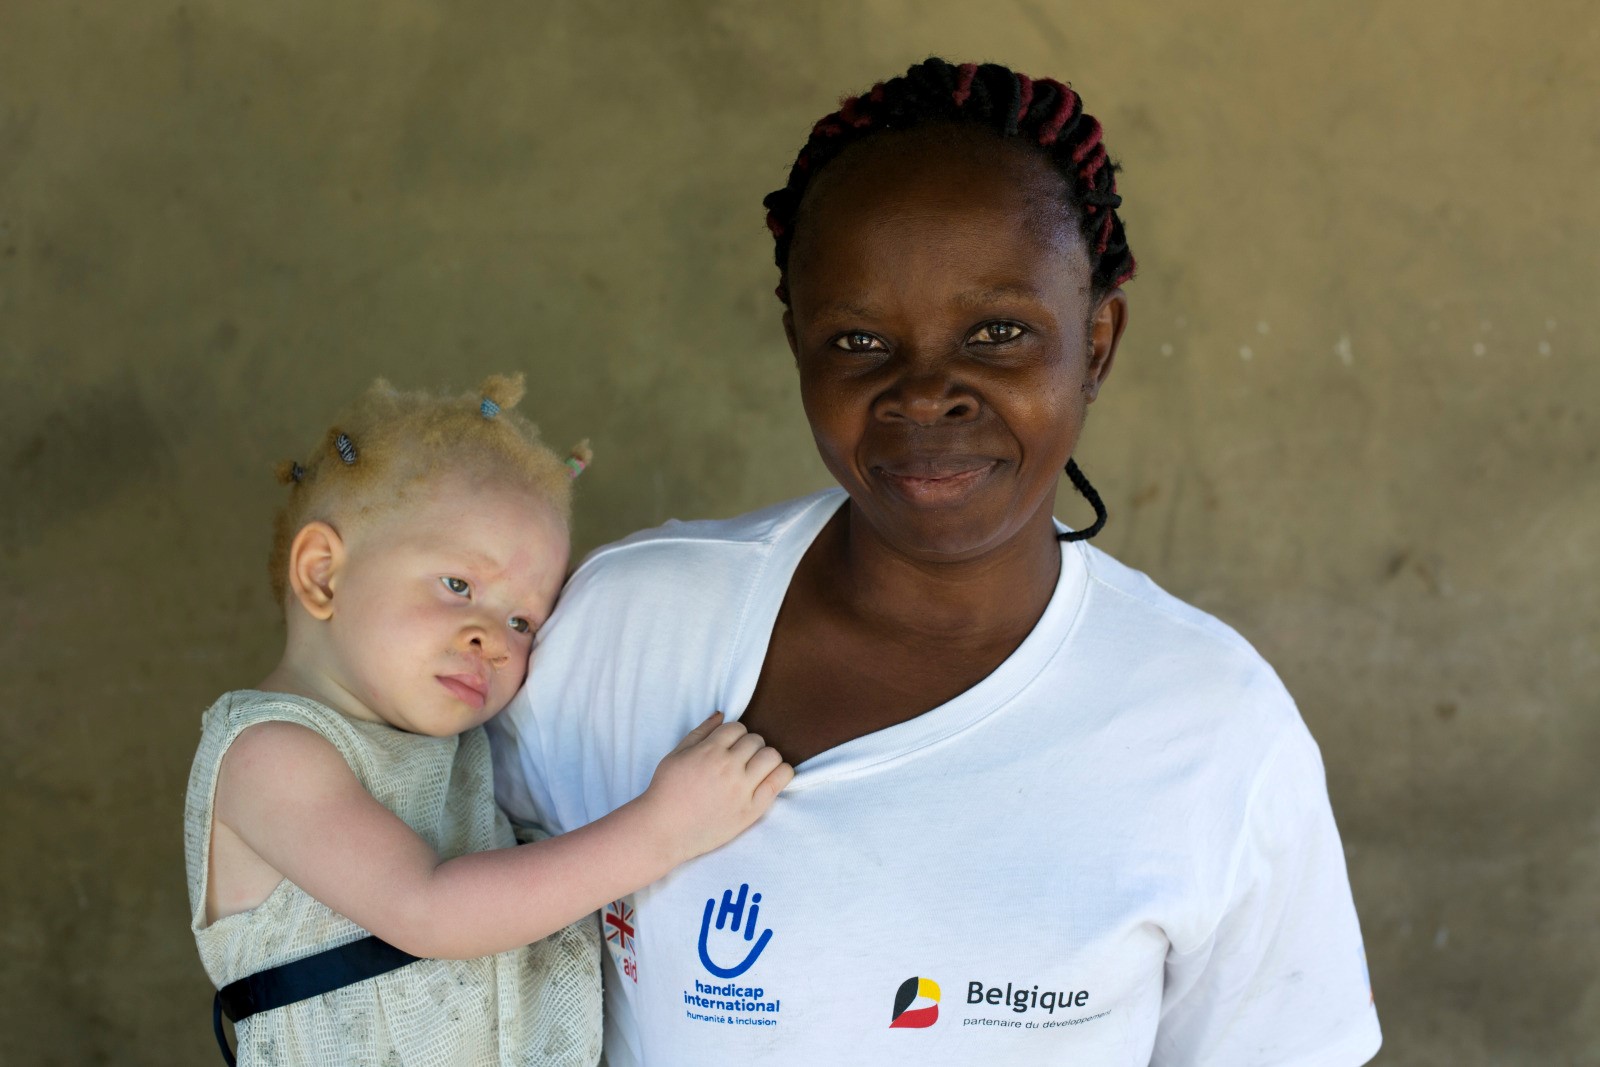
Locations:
column 1043, row 113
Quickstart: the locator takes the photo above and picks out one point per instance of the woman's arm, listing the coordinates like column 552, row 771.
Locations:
column 290, row 796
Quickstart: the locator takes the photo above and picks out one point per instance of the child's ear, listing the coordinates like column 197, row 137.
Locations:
column 316, row 555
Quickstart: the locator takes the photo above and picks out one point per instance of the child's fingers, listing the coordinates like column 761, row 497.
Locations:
column 746, row 747
column 725, row 735
column 762, row 763
column 700, row 733
column 774, row 783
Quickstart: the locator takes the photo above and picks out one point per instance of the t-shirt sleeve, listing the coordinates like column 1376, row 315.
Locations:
column 520, row 786
column 1282, row 979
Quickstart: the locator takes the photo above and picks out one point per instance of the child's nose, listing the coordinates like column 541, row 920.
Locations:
column 485, row 643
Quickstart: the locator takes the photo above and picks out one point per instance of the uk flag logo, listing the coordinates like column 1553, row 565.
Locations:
column 619, row 923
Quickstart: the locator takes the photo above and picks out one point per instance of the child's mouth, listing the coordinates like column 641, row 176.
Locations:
column 467, row 688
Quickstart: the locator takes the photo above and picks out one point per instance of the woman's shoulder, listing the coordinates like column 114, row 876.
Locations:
column 1138, row 594
column 1158, row 639
column 676, row 547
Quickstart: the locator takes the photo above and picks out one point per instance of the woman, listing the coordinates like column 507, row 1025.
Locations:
column 1043, row 811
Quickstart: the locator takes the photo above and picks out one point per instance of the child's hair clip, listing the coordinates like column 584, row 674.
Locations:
column 488, row 409
column 346, row 449
column 289, row 472
column 582, row 455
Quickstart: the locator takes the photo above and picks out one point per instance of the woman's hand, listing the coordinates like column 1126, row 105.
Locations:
column 718, row 781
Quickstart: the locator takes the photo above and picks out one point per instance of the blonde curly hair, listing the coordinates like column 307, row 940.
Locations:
column 388, row 442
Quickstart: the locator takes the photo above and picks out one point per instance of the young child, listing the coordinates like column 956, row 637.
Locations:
column 351, row 794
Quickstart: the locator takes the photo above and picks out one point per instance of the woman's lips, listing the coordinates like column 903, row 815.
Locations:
column 936, row 483
column 468, row 688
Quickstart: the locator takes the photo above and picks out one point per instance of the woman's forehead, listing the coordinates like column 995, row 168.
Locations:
column 898, row 178
column 953, row 221
column 951, row 156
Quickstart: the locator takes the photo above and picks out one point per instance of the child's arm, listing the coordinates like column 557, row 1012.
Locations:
column 289, row 795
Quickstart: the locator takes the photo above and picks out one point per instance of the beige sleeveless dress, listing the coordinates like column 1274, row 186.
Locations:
column 534, row 1005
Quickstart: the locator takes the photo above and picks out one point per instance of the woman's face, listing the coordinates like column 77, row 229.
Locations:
column 947, row 340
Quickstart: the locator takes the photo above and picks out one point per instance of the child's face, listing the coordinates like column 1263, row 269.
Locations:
column 436, row 604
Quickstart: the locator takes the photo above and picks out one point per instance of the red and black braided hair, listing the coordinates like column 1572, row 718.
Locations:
column 1043, row 113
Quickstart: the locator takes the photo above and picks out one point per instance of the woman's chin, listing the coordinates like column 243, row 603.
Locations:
column 944, row 534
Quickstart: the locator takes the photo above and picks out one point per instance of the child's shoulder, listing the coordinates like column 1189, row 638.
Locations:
column 239, row 709
column 260, row 714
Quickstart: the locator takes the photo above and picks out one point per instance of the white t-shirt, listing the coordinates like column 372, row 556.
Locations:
column 1117, row 849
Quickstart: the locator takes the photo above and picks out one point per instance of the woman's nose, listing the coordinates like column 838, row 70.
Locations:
column 927, row 400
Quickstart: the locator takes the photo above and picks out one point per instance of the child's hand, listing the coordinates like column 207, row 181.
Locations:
column 719, row 780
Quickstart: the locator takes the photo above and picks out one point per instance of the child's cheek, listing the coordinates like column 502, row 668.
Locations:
column 406, row 637
column 518, row 672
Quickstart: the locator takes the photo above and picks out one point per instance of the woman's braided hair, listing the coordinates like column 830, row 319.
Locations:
column 1040, row 112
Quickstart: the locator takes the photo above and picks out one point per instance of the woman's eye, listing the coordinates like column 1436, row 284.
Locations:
column 996, row 333
column 858, row 342
column 458, row 586
column 521, row 625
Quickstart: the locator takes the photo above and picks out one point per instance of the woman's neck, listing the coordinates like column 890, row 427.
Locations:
column 997, row 596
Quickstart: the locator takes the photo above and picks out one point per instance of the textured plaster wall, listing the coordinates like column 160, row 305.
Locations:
column 1354, row 413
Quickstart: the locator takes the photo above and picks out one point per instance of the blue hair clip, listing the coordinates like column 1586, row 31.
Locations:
column 488, row 409
column 346, row 449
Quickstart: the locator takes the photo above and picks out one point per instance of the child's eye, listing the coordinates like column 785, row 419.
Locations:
column 995, row 333
column 858, row 341
column 458, row 586
column 521, row 625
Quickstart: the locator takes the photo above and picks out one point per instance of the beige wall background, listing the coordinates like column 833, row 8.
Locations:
column 1354, row 413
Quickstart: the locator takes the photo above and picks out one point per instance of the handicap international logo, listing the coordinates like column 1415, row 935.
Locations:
column 730, row 917
column 906, row 1017
column 730, row 946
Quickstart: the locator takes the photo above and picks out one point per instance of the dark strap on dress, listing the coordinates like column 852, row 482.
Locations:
column 302, row 979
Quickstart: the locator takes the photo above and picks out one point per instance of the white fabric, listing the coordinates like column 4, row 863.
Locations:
column 1127, row 816
column 537, row 1005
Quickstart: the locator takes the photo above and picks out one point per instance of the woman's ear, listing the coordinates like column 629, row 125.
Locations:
column 1110, row 318
column 788, row 332
column 316, row 556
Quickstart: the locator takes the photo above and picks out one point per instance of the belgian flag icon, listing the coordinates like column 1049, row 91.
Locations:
column 906, row 1017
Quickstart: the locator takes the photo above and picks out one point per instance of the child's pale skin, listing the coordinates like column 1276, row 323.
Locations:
column 423, row 618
